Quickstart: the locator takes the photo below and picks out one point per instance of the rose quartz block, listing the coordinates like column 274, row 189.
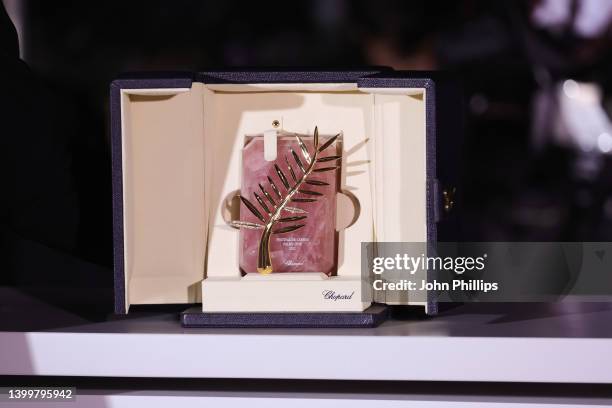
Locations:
column 312, row 248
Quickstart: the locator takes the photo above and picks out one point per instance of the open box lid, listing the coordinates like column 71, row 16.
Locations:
column 166, row 85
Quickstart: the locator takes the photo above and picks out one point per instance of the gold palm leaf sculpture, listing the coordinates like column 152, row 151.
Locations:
column 294, row 192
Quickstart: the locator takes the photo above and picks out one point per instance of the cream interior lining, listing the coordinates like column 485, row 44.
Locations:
column 181, row 157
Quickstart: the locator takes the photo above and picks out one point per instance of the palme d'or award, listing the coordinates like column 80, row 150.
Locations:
column 288, row 206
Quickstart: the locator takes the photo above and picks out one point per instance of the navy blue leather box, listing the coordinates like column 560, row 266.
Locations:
column 442, row 129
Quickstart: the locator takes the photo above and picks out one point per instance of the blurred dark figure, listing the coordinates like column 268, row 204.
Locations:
column 39, row 207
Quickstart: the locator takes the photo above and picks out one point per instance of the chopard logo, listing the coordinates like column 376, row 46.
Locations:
column 332, row 295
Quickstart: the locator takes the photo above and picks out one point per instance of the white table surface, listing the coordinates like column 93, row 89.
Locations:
column 561, row 343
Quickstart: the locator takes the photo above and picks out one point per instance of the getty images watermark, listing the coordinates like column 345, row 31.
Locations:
column 487, row 271
column 409, row 266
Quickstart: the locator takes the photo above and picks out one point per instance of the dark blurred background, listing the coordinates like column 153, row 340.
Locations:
column 537, row 75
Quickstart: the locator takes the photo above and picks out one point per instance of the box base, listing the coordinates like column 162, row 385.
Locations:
column 291, row 292
column 371, row 317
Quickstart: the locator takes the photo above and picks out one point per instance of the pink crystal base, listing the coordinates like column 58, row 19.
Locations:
column 312, row 248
